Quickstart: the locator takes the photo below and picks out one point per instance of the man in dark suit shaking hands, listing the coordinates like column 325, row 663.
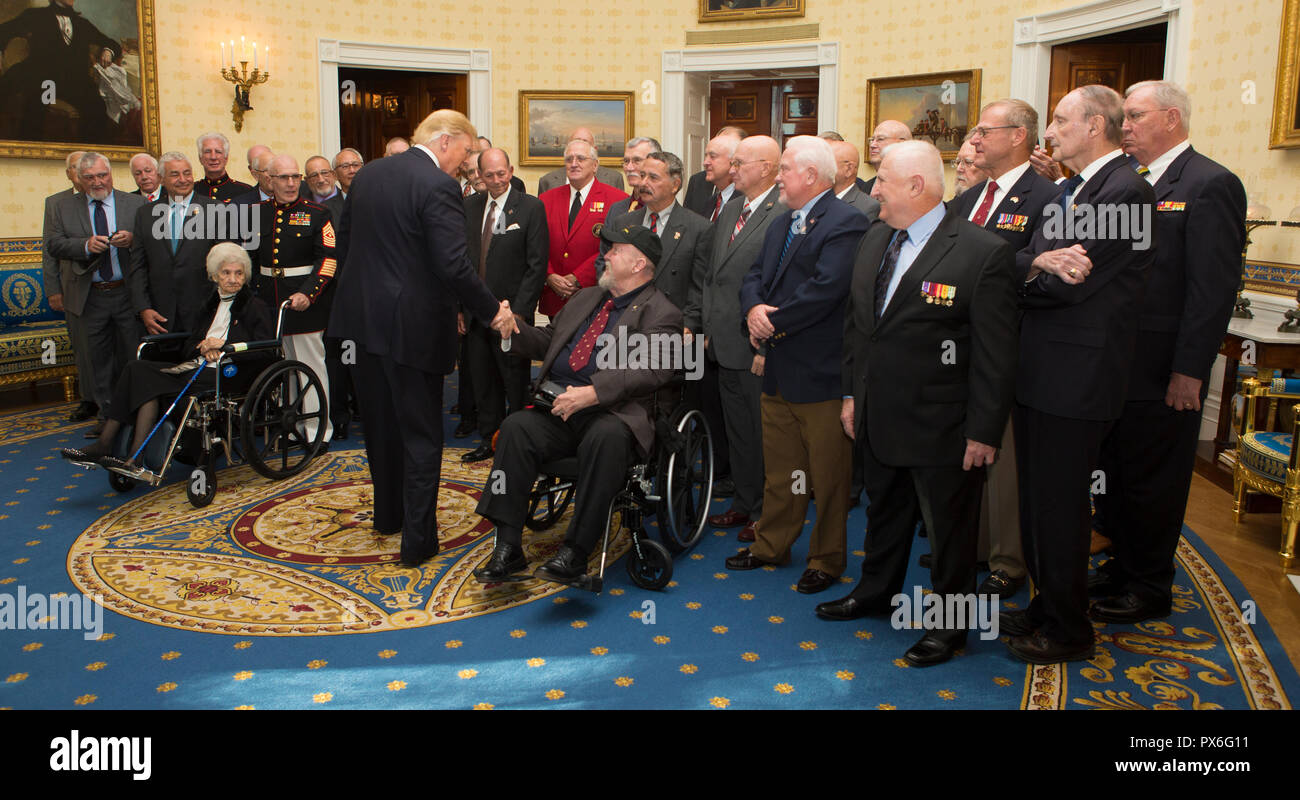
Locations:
column 793, row 299
column 928, row 382
column 402, row 244
column 1081, row 287
column 1200, row 231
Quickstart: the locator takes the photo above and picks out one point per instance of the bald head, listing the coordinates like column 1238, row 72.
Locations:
column 255, row 151
column 583, row 134
column 753, row 167
column 909, row 182
column 847, row 161
column 70, row 168
column 886, row 133
column 285, row 179
column 260, row 166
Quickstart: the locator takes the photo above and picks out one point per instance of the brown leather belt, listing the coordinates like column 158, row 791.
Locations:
column 104, row 286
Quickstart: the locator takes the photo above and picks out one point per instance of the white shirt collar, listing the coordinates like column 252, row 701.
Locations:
column 501, row 204
column 1008, row 179
column 1161, row 162
column 583, row 192
column 1092, row 169
column 430, row 154
column 183, row 200
column 662, row 218
column 752, row 205
column 840, row 195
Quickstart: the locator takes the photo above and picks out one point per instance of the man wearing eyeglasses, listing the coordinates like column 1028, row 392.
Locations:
column 637, row 149
column 559, row 176
column 347, row 164
column 967, row 174
column 886, row 133
column 295, row 261
column 575, row 213
column 1009, row 203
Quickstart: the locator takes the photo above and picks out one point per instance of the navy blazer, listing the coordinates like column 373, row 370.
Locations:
column 403, row 264
column 1016, row 218
column 809, row 288
column 1076, row 341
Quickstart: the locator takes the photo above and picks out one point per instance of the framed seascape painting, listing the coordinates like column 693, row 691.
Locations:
column 1285, row 131
column 939, row 107
column 733, row 10
column 77, row 75
column 547, row 118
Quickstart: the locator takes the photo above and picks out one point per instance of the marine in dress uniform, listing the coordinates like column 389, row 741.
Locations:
column 223, row 189
column 296, row 254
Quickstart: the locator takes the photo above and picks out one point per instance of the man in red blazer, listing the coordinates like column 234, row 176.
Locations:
column 574, row 215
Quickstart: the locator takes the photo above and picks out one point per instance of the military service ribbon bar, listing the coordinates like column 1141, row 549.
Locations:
column 1171, row 205
column 940, row 293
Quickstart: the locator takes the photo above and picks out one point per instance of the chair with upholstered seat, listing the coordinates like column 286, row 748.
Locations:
column 1269, row 461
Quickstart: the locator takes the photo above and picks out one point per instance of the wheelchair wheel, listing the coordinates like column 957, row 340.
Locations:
column 202, row 485
column 547, row 504
column 120, row 483
column 685, row 480
column 652, row 567
column 272, row 423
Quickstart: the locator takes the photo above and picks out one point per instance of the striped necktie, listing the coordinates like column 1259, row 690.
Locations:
column 789, row 235
column 740, row 223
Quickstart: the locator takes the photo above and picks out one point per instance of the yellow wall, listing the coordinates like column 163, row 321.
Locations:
column 556, row 44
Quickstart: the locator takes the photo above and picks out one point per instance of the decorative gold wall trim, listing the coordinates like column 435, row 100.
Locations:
column 780, row 33
column 1272, row 277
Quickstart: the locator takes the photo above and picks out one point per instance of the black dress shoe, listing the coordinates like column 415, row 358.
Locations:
column 925, row 561
column 480, row 453
column 1038, row 649
column 1101, row 584
column 506, row 560
column 341, row 432
column 455, row 409
column 813, row 581
column 1015, row 623
column 724, row 488
column 410, row 559
column 84, row 411
column 745, row 560
column 1001, row 584
column 1127, row 609
column 79, row 456
column 566, row 566
column 847, row 608
column 929, row 651
column 465, row 428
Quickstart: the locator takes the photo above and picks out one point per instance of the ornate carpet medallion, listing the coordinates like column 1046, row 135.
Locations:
column 297, row 557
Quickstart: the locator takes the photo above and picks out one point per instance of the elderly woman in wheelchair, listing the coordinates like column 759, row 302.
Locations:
column 233, row 315
column 603, row 411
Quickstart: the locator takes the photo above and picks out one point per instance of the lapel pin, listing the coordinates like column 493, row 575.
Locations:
column 1015, row 199
column 677, row 235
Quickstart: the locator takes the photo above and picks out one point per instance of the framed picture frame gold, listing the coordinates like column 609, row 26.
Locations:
column 546, row 118
column 95, row 88
column 938, row 106
column 740, row 109
column 1285, row 132
column 738, row 10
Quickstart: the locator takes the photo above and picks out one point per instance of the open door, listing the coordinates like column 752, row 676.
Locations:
column 697, row 122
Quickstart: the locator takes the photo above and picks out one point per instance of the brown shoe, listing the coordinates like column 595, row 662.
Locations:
column 1099, row 543
column 728, row 519
column 747, row 533
column 745, row 560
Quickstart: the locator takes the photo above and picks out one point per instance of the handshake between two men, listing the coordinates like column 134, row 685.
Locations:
column 575, row 398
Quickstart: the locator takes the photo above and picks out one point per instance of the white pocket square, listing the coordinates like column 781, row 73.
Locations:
column 513, row 227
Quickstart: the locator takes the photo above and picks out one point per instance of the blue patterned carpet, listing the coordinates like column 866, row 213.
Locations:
column 278, row 596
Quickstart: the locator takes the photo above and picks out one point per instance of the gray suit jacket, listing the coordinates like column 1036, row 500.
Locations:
column 176, row 285
column 720, row 297
column 66, row 237
column 687, row 242
column 863, row 202
column 50, row 264
column 557, row 177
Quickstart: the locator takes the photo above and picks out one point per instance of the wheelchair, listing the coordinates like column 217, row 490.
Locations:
column 269, row 420
column 674, row 485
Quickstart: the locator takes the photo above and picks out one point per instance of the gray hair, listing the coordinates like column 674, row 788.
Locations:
column 170, row 156
column 830, row 136
column 223, row 253
column 1169, row 95
column 918, row 157
column 89, row 159
column 810, row 151
column 131, row 164
column 675, row 167
column 335, row 163
column 640, row 140
column 1020, row 114
column 219, row 136
column 1105, row 102
column 591, row 148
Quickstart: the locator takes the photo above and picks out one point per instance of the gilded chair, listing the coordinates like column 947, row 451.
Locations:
column 1269, row 461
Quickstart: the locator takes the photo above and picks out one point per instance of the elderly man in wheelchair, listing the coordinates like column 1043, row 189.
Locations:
column 235, row 346
column 585, row 403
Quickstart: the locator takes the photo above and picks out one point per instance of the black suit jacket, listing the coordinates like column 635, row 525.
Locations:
column 1200, row 227
column 867, row 186
column 685, row 260
column 251, row 320
column 699, row 195
column 808, row 287
column 516, row 258
column 624, row 392
column 404, row 264
column 929, row 375
column 174, row 285
column 1016, row 218
column 1076, row 341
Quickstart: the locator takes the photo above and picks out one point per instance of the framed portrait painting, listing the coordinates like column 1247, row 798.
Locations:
column 733, row 10
column 78, row 75
column 1285, row 132
column 547, row 118
column 939, row 107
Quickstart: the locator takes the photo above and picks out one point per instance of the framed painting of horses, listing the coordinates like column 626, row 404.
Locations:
column 939, row 107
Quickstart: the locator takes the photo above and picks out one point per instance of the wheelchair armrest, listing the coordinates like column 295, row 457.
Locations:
column 244, row 347
column 158, row 338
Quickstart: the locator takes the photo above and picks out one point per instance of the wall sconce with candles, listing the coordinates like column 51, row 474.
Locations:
column 1292, row 324
column 1257, row 216
column 243, row 79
